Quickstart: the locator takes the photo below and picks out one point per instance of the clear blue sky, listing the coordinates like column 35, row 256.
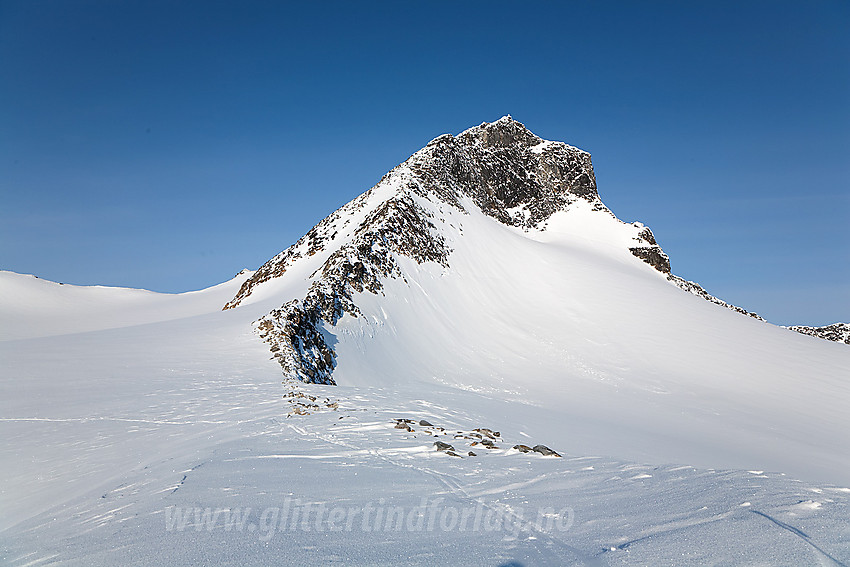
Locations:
column 167, row 145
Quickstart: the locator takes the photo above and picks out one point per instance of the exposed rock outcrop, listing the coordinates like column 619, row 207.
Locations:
column 545, row 451
column 294, row 332
column 696, row 289
column 654, row 256
column 650, row 252
column 837, row 332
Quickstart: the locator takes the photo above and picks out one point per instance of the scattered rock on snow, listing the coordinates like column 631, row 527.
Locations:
column 545, row 451
column 481, row 436
column 488, row 432
column 305, row 404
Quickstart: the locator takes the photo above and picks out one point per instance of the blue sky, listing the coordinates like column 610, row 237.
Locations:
column 167, row 145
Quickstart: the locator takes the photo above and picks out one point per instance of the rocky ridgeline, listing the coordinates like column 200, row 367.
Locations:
column 837, row 332
column 696, row 289
column 652, row 254
column 480, row 439
column 399, row 226
column 506, row 171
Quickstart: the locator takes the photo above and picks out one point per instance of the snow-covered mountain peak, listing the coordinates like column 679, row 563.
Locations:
column 464, row 207
column 420, row 212
column 500, row 169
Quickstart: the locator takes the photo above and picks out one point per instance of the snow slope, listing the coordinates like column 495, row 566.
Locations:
column 609, row 355
column 34, row 307
column 112, row 440
column 690, row 434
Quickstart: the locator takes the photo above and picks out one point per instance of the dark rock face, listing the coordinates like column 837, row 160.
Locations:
column 503, row 166
column 837, row 332
column 654, row 256
column 647, row 236
column 649, row 251
column 294, row 336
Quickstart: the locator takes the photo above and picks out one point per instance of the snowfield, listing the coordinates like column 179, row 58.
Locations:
column 176, row 443
column 139, row 428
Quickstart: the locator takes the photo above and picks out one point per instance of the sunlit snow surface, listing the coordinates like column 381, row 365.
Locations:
column 690, row 434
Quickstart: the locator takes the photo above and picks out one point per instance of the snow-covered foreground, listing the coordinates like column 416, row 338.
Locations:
column 175, row 443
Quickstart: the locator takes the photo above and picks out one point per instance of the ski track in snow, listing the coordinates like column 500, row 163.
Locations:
column 802, row 536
